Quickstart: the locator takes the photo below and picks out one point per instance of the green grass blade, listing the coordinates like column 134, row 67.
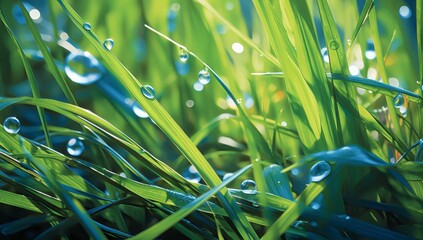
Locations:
column 31, row 78
column 17, row 200
column 368, row 6
column 47, row 56
column 156, row 230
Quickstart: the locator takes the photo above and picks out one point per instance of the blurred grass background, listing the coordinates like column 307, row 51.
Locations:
column 248, row 44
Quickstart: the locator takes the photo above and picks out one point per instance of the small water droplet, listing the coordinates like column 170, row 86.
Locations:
column 148, row 92
column 319, row 171
column 12, row 125
column 284, row 124
column 191, row 174
column 249, row 187
column 349, row 42
column 239, row 100
column 183, row 55
column 108, row 44
column 122, row 174
column 83, row 68
column 324, row 52
column 204, row 76
column 334, row 44
column 189, row 103
column 87, row 26
column 139, row 111
column 398, row 100
column 75, row 147
column 255, row 204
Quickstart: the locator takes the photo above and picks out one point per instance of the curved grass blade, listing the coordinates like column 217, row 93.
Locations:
column 47, row 56
column 31, row 78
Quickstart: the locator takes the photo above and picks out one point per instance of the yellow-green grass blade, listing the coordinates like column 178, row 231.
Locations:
column 47, row 56
column 156, row 230
column 302, row 101
column 17, row 200
column 382, row 69
column 165, row 122
column 31, row 77
column 339, row 65
column 368, row 6
column 419, row 26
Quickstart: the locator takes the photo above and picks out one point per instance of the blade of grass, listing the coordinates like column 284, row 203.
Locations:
column 47, row 55
column 368, row 6
column 160, row 227
column 17, row 200
column 31, row 77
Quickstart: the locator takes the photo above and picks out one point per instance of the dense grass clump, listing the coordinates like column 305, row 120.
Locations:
column 250, row 119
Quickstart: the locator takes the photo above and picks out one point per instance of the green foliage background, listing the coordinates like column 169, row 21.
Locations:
column 269, row 114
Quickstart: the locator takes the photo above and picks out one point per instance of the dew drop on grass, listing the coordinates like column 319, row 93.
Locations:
column 139, row 111
column 87, row 26
column 255, row 204
column 75, row 147
column 319, row 171
column 349, row 42
column 398, row 100
column 334, row 44
column 108, row 44
column 249, row 187
column 183, row 55
column 12, row 125
column 204, row 76
column 83, row 68
column 148, row 92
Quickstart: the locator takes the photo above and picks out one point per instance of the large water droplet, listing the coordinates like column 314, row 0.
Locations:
column 334, row 44
column 108, row 44
column 183, row 55
column 191, row 174
column 148, row 91
column 319, row 171
column 398, row 100
column 83, row 68
column 204, row 76
column 249, row 187
column 86, row 26
column 75, row 147
column 12, row 125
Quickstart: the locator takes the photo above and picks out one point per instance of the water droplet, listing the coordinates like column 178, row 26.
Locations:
column 83, row 68
column 249, row 187
column 349, row 42
column 75, row 147
column 86, row 26
column 226, row 176
column 319, row 171
column 148, row 92
column 239, row 100
column 108, row 44
column 334, row 44
column 183, row 55
column 284, row 124
column 204, row 76
column 12, row 125
column 398, row 100
column 191, row 174
column 122, row 174
column 255, row 204
column 370, row 51
column 315, row 205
